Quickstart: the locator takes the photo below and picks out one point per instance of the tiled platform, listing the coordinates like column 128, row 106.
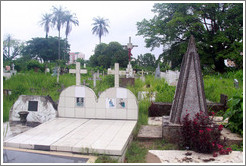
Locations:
column 108, row 137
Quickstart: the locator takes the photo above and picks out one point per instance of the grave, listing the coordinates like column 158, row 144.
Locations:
column 189, row 94
column 171, row 77
column 8, row 72
column 40, row 109
column 85, row 123
column 142, row 76
column 144, row 95
column 157, row 71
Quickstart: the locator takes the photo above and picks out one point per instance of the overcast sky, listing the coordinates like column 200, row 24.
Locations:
column 21, row 20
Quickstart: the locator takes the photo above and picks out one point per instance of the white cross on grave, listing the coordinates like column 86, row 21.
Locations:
column 78, row 71
column 116, row 73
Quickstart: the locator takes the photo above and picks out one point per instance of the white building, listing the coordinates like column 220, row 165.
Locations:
column 73, row 56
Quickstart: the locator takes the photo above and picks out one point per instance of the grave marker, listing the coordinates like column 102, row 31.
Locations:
column 189, row 93
column 78, row 71
column 116, row 73
column 235, row 83
column 157, row 71
column 129, row 47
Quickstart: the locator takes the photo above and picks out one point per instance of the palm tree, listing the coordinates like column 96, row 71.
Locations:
column 58, row 20
column 46, row 21
column 70, row 19
column 100, row 27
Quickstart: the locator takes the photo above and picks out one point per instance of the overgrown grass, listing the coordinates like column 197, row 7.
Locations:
column 105, row 159
column 136, row 153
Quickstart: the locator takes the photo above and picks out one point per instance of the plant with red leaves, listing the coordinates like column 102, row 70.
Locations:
column 201, row 134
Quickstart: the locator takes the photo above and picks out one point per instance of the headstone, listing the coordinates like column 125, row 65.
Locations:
column 129, row 71
column 144, row 95
column 84, row 65
column 55, row 69
column 189, row 95
column 142, row 76
column 41, row 109
column 171, row 77
column 78, row 71
column 47, row 70
column 81, row 102
column 157, row 71
column 13, row 66
column 236, row 83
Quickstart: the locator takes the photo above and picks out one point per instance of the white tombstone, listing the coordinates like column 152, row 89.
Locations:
column 142, row 76
column 78, row 71
column 41, row 108
column 84, row 65
column 171, row 77
column 129, row 71
column 113, row 103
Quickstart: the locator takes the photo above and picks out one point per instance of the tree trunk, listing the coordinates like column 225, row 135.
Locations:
column 58, row 72
column 220, row 65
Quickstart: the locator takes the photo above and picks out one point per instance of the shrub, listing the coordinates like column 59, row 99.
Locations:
column 201, row 135
column 235, row 114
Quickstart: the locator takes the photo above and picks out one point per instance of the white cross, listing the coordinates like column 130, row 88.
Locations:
column 78, row 71
column 116, row 73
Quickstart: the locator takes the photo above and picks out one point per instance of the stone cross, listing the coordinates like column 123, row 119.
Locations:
column 116, row 73
column 95, row 78
column 78, row 71
column 235, row 83
column 13, row 66
column 129, row 47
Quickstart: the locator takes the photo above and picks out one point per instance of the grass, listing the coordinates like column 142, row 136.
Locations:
column 32, row 83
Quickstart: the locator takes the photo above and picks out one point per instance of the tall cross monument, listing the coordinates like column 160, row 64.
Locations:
column 129, row 47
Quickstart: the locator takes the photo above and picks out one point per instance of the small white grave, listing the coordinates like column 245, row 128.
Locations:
column 147, row 95
column 41, row 109
column 171, row 77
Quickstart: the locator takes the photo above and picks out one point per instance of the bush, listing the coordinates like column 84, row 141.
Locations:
column 32, row 64
column 200, row 134
column 235, row 114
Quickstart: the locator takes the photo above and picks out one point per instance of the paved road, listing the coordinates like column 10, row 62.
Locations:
column 15, row 156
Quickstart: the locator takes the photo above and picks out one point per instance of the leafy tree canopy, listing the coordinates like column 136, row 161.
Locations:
column 45, row 49
column 107, row 54
column 217, row 28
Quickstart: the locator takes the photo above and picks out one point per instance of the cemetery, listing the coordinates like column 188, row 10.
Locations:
column 116, row 108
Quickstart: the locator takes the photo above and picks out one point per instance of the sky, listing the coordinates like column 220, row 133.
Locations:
column 21, row 19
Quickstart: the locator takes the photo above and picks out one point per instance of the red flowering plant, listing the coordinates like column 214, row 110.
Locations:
column 202, row 135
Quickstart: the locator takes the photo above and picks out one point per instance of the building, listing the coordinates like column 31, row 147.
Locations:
column 73, row 56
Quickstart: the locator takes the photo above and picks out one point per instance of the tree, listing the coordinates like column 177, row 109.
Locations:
column 147, row 61
column 44, row 49
column 46, row 22
column 217, row 28
column 100, row 27
column 11, row 48
column 58, row 20
column 70, row 19
column 107, row 54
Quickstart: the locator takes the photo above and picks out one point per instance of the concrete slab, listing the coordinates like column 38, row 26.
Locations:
column 96, row 136
column 150, row 132
column 179, row 156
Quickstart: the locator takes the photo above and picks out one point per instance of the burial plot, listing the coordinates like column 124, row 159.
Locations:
column 86, row 124
column 189, row 95
column 41, row 109
column 171, row 77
